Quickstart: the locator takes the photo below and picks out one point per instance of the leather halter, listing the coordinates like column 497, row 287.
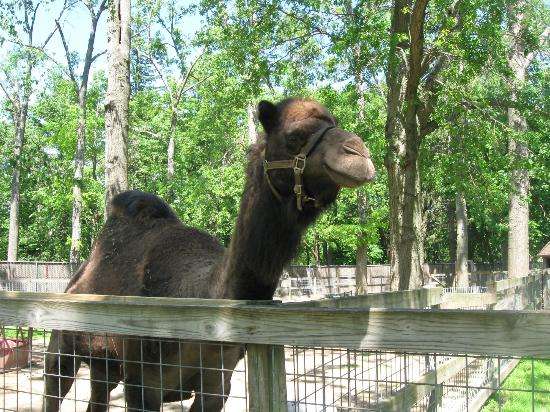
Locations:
column 298, row 164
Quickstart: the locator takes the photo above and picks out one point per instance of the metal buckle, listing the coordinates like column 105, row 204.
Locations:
column 299, row 163
column 298, row 190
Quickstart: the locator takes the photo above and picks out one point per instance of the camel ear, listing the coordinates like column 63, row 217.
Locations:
column 268, row 116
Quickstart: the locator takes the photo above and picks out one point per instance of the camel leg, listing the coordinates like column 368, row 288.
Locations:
column 140, row 380
column 104, row 377
column 214, row 391
column 141, row 393
column 61, row 366
column 213, row 395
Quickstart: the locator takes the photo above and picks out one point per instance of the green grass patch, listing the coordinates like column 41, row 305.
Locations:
column 12, row 332
column 517, row 395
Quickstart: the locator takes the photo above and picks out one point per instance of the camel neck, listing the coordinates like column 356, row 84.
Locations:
column 265, row 239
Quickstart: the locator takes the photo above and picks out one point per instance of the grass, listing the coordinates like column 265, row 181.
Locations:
column 516, row 394
column 11, row 332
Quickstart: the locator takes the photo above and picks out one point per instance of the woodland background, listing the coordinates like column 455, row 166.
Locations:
column 197, row 70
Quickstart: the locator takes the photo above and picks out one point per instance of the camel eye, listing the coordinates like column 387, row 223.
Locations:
column 294, row 140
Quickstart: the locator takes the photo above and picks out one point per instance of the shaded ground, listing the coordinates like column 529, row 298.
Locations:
column 21, row 390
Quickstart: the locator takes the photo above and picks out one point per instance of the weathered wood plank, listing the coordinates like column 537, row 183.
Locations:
column 501, row 285
column 456, row 300
column 412, row 299
column 504, row 333
column 128, row 300
column 266, row 378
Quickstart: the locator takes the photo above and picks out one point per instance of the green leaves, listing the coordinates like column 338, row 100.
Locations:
column 335, row 52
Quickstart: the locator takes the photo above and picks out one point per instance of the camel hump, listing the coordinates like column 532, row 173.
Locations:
column 140, row 205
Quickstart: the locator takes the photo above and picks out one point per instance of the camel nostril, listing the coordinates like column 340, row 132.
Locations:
column 351, row 150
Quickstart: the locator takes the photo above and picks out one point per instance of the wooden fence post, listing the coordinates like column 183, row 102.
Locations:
column 266, row 378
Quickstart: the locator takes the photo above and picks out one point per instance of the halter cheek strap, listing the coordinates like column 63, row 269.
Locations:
column 298, row 164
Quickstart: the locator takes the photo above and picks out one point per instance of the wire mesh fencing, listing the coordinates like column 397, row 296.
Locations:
column 322, row 379
column 41, row 368
column 75, row 371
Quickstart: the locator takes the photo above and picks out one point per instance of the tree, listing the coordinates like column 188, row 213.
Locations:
column 17, row 86
column 167, row 51
column 117, row 100
column 520, row 56
column 81, row 90
column 403, row 78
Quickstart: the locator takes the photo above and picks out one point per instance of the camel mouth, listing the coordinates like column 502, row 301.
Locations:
column 351, row 179
column 350, row 150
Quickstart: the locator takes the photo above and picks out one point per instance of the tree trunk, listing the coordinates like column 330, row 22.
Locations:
column 518, row 217
column 80, row 153
column 78, row 181
column 403, row 141
column 361, row 257
column 118, row 97
column 461, row 264
column 170, row 166
column 409, row 252
column 252, row 122
column 316, row 251
column 450, row 209
column 170, row 169
column 13, row 234
column 361, row 275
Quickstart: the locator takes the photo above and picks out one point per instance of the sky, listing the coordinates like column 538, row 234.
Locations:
column 76, row 24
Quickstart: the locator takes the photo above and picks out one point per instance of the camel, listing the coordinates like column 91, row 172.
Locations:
column 294, row 173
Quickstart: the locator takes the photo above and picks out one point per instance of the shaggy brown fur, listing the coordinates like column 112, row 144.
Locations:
column 145, row 250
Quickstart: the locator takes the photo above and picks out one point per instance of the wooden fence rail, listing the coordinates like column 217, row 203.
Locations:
column 504, row 333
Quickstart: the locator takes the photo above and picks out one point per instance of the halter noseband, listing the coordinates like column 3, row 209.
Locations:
column 298, row 164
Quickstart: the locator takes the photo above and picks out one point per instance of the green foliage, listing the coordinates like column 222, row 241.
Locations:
column 253, row 50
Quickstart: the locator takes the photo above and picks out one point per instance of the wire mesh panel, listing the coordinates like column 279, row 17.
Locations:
column 44, row 370
column 68, row 371
column 328, row 379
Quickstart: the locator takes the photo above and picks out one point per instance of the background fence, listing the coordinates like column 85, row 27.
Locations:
column 336, row 354
column 297, row 282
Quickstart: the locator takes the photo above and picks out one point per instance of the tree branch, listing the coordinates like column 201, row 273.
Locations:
column 65, row 7
column 67, row 56
column 11, row 98
column 98, row 55
column 186, row 78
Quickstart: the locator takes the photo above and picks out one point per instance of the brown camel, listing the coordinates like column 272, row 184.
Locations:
column 293, row 174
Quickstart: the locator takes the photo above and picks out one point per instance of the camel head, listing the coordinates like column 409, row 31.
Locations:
column 307, row 155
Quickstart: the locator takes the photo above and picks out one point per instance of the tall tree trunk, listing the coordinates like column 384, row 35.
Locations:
column 450, row 210
column 461, row 263
column 78, row 180
column 518, row 217
column 361, row 257
column 403, row 142
column 170, row 165
column 118, row 97
column 20, row 126
column 80, row 153
column 394, row 133
column 252, row 123
column 170, row 168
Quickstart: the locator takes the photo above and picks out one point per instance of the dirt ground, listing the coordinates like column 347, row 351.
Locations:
column 21, row 390
column 316, row 378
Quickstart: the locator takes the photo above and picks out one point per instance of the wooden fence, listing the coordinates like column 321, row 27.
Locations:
column 394, row 321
